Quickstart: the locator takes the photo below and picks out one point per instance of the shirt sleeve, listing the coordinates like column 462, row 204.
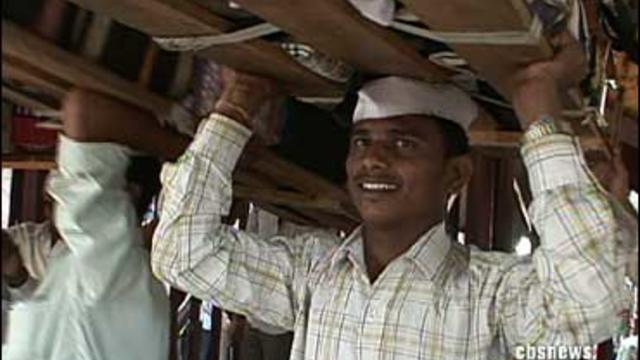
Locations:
column 571, row 290
column 94, row 214
column 193, row 251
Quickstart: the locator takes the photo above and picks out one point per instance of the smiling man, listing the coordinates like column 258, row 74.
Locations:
column 398, row 287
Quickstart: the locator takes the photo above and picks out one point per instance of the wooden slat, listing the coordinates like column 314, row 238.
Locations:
column 512, row 139
column 300, row 179
column 150, row 55
column 28, row 162
column 286, row 198
column 629, row 131
column 22, row 99
column 96, row 36
column 258, row 187
column 20, row 44
column 480, row 203
column 493, row 62
column 334, row 221
column 186, row 18
column 15, row 69
column 335, row 27
column 288, row 214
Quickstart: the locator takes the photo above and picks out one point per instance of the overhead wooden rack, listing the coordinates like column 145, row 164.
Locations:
column 494, row 62
column 309, row 196
column 331, row 26
column 335, row 27
column 186, row 18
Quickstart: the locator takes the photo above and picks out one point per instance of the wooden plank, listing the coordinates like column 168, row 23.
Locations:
column 629, row 131
column 96, row 36
column 28, row 162
column 286, row 198
column 15, row 69
column 512, row 139
column 186, row 18
column 29, row 48
column 21, row 45
column 480, row 206
column 287, row 214
column 508, row 224
column 258, row 187
column 22, row 99
column 493, row 62
column 332, row 220
column 150, row 55
column 337, row 28
column 182, row 76
column 7, row 119
column 175, row 299
column 292, row 175
column 195, row 329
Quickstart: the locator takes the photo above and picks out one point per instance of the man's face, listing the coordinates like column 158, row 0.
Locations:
column 395, row 169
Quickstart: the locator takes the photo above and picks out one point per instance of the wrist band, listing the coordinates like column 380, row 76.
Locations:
column 546, row 125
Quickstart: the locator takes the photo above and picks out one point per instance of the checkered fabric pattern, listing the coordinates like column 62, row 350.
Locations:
column 439, row 300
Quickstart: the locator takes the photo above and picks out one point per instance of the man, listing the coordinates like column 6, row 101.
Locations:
column 398, row 288
column 96, row 298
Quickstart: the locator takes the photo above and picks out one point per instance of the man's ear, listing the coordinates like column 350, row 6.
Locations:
column 457, row 173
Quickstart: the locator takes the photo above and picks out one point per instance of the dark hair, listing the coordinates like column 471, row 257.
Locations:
column 144, row 171
column 456, row 141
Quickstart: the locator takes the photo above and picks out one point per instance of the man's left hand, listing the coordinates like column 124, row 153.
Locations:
column 537, row 88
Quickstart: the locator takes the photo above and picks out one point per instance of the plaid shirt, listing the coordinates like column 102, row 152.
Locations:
column 439, row 300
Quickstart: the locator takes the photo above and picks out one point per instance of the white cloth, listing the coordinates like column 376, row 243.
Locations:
column 98, row 299
column 628, row 349
column 206, row 310
column 396, row 96
column 381, row 12
column 33, row 242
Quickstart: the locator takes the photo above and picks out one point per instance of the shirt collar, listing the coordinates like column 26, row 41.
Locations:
column 430, row 251
column 352, row 249
column 427, row 254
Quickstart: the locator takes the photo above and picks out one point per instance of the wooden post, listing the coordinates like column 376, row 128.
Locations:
column 508, row 225
column 175, row 298
column 48, row 24
column 480, row 203
column 15, row 204
column 216, row 332
column 195, row 329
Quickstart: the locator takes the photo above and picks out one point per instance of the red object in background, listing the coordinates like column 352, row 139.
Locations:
column 26, row 135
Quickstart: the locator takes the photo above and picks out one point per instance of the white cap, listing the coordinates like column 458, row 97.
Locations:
column 396, row 96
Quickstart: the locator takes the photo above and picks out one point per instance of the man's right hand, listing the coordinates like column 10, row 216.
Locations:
column 13, row 271
column 242, row 98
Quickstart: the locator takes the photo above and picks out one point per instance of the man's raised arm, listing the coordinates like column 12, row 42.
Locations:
column 572, row 291
column 194, row 251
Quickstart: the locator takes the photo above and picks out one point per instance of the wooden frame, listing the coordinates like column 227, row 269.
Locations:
column 361, row 43
column 176, row 18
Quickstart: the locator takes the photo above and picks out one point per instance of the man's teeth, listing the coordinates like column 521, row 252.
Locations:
column 379, row 186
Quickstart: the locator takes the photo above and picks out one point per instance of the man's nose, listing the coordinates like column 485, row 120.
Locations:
column 376, row 156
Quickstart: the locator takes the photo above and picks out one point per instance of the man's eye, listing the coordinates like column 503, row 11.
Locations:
column 360, row 142
column 405, row 144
